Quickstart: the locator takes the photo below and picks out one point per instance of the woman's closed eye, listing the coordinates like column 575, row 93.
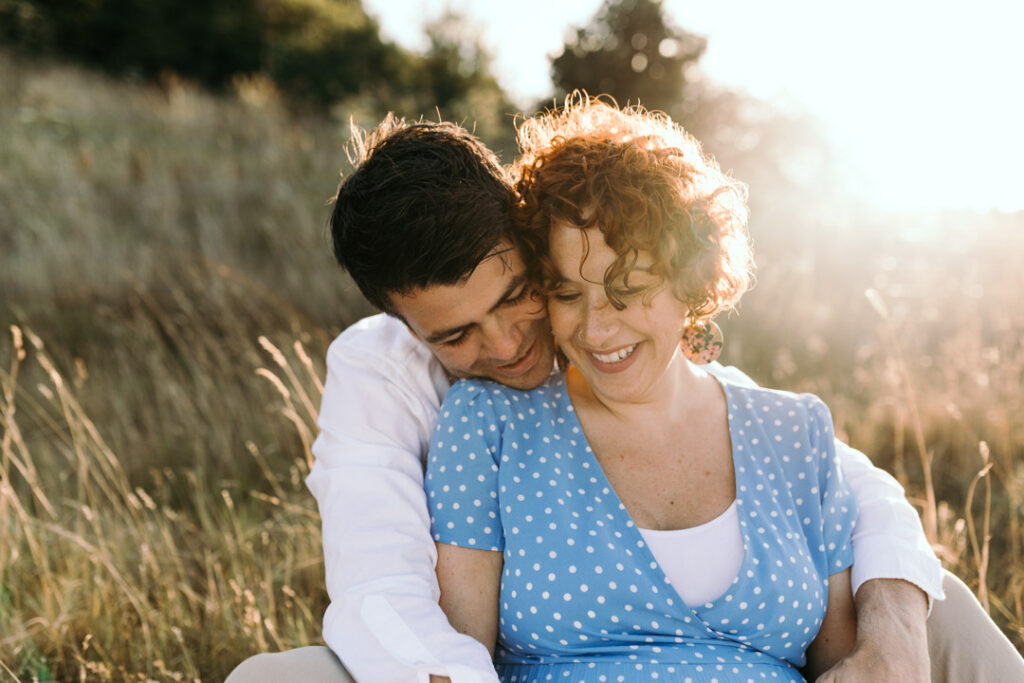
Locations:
column 565, row 296
column 628, row 292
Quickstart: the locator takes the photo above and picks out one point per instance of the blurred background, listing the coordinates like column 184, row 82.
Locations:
column 168, row 293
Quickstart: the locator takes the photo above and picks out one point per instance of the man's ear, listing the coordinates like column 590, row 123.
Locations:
column 408, row 327
column 394, row 314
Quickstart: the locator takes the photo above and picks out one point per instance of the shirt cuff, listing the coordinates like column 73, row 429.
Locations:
column 395, row 635
column 884, row 557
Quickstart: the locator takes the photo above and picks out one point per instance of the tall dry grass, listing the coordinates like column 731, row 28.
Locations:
column 167, row 298
column 107, row 580
column 155, row 523
column 911, row 329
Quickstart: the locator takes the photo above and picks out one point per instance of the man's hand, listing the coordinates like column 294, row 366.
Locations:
column 892, row 639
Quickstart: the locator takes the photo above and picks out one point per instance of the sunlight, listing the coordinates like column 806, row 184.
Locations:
column 917, row 97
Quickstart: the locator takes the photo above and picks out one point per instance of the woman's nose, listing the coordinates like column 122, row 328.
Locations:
column 600, row 323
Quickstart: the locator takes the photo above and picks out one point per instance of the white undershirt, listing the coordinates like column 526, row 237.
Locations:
column 701, row 561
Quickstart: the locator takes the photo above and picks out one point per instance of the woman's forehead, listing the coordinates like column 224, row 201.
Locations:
column 584, row 252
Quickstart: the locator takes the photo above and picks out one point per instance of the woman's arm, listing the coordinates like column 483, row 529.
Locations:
column 838, row 630
column 470, row 580
column 463, row 473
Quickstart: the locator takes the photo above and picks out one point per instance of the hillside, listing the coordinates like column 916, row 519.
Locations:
column 167, row 300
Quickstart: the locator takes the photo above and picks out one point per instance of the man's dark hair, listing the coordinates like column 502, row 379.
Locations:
column 424, row 205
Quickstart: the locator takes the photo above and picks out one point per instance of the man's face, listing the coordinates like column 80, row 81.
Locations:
column 489, row 325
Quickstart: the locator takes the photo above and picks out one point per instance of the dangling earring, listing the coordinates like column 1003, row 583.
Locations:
column 701, row 342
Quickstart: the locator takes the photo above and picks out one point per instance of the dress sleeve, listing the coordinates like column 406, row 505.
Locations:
column 838, row 508
column 462, row 470
column 889, row 541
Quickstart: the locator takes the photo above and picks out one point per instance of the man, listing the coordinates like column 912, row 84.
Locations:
column 423, row 225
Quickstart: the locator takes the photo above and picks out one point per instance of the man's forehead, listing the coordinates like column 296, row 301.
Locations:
column 504, row 253
column 435, row 309
column 508, row 254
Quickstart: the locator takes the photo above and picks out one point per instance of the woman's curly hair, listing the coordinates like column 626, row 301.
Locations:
column 645, row 183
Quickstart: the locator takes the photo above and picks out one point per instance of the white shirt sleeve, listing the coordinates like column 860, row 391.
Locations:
column 384, row 621
column 888, row 540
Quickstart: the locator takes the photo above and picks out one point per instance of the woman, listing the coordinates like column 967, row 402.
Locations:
column 636, row 518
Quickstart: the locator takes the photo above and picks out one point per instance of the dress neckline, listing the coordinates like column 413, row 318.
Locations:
column 638, row 541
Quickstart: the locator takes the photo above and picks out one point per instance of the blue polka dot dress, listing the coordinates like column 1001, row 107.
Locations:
column 582, row 597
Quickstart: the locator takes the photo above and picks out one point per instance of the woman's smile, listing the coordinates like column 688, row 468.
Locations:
column 623, row 352
column 614, row 361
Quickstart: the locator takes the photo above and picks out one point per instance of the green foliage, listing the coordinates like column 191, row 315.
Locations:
column 456, row 75
column 322, row 52
column 455, row 65
column 326, row 50
column 206, row 41
column 629, row 51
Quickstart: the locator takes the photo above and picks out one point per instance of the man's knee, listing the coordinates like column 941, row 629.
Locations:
column 964, row 643
column 316, row 664
column 958, row 597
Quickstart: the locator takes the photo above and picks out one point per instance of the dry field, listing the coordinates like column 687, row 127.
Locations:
column 167, row 300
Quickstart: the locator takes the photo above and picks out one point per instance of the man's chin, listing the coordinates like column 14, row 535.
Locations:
column 525, row 382
column 530, row 377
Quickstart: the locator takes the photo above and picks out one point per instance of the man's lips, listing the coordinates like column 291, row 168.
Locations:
column 524, row 363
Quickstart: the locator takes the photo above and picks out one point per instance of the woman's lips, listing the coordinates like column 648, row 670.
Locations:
column 614, row 360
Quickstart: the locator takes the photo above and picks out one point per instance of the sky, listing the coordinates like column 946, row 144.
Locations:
column 921, row 99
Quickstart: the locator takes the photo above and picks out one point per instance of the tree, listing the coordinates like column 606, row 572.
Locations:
column 323, row 51
column 456, row 78
column 629, row 51
column 319, row 52
column 204, row 41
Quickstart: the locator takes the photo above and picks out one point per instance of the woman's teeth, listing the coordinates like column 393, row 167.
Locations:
column 617, row 356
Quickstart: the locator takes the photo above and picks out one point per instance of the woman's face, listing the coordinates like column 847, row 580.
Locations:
column 623, row 354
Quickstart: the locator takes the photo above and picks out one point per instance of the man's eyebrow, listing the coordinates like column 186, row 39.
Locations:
column 441, row 335
column 507, row 294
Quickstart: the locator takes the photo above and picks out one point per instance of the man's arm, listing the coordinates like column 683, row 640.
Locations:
column 890, row 619
column 895, row 577
column 384, row 621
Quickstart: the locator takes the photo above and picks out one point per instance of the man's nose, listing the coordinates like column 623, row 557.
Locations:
column 503, row 338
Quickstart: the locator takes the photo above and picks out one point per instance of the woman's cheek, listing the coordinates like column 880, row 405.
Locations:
column 560, row 317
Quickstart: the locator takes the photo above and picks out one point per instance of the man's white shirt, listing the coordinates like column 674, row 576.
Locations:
column 381, row 398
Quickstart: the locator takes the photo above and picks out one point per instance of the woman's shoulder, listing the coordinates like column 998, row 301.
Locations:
column 775, row 403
